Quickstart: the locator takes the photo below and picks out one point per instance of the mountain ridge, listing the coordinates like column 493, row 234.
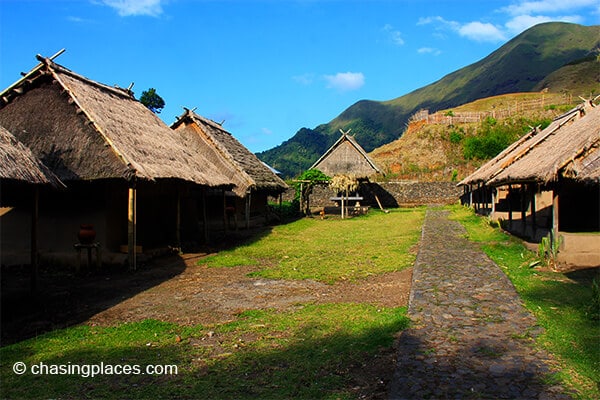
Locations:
column 520, row 65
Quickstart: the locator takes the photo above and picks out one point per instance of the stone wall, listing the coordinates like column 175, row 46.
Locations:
column 392, row 194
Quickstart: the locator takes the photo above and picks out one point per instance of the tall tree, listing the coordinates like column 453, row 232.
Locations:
column 152, row 100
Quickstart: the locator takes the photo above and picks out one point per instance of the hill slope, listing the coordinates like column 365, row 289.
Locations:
column 518, row 66
column 435, row 148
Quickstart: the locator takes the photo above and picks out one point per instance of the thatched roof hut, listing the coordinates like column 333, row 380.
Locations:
column 567, row 148
column 90, row 133
column 234, row 160
column 17, row 163
column 346, row 157
column 93, row 131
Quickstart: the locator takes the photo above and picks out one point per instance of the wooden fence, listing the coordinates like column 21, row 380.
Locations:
column 453, row 117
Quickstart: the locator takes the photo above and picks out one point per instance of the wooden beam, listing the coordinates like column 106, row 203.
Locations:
column 131, row 228
column 204, row 215
column 533, row 209
column 555, row 222
column 523, row 208
column 178, row 220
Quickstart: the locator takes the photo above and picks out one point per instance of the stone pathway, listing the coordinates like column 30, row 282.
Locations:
column 471, row 336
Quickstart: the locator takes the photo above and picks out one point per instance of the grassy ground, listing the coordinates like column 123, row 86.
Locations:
column 311, row 351
column 562, row 304
column 332, row 250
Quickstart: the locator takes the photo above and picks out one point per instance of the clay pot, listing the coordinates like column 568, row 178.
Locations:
column 86, row 234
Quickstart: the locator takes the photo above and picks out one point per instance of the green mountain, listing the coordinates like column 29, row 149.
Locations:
column 520, row 65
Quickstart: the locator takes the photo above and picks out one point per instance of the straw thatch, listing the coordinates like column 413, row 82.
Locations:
column 17, row 163
column 84, row 130
column 567, row 148
column 346, row 157
column 234, row 160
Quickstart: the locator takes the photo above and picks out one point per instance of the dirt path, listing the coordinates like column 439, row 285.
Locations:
column 176, row 289
column 201, row 295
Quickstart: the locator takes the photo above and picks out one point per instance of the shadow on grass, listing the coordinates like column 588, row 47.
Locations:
column 65, row 299
column 305, row 365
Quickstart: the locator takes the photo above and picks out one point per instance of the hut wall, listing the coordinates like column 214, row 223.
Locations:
column 345, row 159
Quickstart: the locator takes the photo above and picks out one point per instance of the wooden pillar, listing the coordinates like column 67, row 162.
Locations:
column 131, row 227
column 34, row 238
column 493, row 210
column 178, row 220
column 248, row 201
column 470, row 196
column 555, row 223
column 225, row 221
column 523, row 208
column 533, row 211
column 509, row 197
column 204, row 219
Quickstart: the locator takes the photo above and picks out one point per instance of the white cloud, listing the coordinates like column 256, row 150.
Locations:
column 304, row 79
column 481, row 32
column 516, row 18
column 522, row 22
column 478, row 31
column 394, row 35
column 547, row 6
column 429, row 50
column 345, row 81
column 266, row 131
column 126, row 8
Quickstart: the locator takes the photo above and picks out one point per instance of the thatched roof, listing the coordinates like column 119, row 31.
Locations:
column 567, row 148
column 17, row 163
column 346, row 157
column 86, row 130
column 234, row 160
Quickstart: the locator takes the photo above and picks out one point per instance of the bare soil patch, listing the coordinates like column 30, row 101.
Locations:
column 203, row 295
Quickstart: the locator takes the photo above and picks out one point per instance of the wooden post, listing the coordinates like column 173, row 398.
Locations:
column 131, row 228
column 178, row 220
column 533, row 211
column 204, row 215
column 34, row 238
column 248, row 200
column 555, row 223
column 493, row 210
column 509, row 197
column 470, row 196
column 523, row 208
column 225, row 219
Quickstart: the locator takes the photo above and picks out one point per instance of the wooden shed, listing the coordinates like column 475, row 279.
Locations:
column 346, row 157
column 548, row 181
column 253, row 181
column 126, row 173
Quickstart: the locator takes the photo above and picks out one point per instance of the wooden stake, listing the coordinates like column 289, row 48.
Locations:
column 131, row 228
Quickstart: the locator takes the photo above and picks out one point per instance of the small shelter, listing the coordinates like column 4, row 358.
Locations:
column 346, row 161
column 253, row 180
column 346, row 157
column 126, row 172
column 551, row 177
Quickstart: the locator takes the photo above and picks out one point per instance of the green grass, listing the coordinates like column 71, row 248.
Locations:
column 332, row 250
column 313, row 352
column 561, row 305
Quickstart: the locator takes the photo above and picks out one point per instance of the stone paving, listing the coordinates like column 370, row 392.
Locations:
column 471, row 336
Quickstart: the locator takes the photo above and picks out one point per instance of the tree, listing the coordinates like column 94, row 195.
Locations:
column 152, row 100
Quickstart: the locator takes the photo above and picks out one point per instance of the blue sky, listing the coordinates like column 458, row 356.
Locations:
column 268, row 67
